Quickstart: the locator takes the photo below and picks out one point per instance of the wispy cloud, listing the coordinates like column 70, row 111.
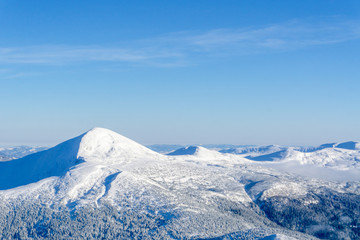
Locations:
column 9, row 74
column 178, row 48
column 62, row 54
column 287, row 36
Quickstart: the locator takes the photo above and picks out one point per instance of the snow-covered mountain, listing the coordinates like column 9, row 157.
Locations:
column 168, row 148
column 253, row 151
column 209, row 156
column 333, row 155
column 164, row 148
column 197, row 151
column 96, row 146
column 103, row 185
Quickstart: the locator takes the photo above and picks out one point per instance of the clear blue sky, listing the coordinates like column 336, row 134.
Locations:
column 190, row 71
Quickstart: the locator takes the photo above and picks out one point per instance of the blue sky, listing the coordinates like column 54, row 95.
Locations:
column 189, row 72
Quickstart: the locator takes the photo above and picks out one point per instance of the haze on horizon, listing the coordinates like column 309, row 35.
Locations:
column 187, row 72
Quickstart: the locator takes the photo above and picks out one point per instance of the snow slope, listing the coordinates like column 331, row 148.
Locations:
column 32, row 168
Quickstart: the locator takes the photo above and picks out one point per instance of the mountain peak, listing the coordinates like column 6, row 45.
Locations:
column 190, row 150
column 100, row 144
column 197, row 151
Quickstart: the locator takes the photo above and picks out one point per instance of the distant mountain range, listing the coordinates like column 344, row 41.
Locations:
column 336, row 155
column 167, row 148
column 9, row 153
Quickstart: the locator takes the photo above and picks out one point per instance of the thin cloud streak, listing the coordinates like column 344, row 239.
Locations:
column 64, row 54
column 9, row 74
column 177, row 49
column 289, row 36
